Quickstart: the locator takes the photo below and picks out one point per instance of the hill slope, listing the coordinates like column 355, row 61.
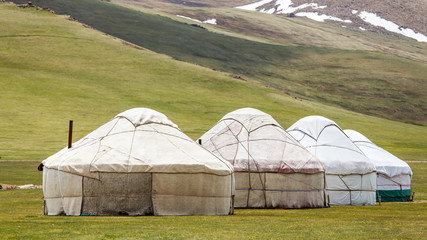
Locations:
column 408, row 16
column 297, row 31
column 53, row 70
column 357, row 80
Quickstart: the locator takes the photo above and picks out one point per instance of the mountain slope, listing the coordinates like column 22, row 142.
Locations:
column 407, row 15
column 357, row 80
column 404, row 17
column 283, row 30
column 53, row 70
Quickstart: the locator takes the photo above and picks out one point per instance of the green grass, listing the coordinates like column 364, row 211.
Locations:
column 20, row 173
column 21, row 217
column 419, row 179
column 369, row 82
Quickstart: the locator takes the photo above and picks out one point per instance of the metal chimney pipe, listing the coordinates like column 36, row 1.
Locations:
column 70, row 134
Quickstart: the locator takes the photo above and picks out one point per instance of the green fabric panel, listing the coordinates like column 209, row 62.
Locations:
column 394, row 195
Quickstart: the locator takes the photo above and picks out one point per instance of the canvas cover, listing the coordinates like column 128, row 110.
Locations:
column 272, row 170
column 138, row 163
column 393, row 175
column 350, row 175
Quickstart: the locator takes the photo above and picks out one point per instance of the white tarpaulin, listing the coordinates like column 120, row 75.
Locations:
column 142, row 146
column 393, row 173
column 272, row 169
column 350, row 175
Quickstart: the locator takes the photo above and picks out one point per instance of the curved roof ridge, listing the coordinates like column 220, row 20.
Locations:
column 251, row 118
column 141, row 116
column 331, row 145
column 306, row 125
column 356, row 136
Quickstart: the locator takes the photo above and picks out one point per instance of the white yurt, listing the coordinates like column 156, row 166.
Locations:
column 138, row 163
column 393, row 175
column 350, row 175
column 272, row 170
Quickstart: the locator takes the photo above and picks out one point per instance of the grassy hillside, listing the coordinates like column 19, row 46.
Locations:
column 53, row 70
column 370, row 82
column 193, row 3
column 298, row 31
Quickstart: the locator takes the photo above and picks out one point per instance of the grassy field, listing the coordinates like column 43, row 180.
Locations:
column 53, row 70
column 21, row 217
column 373, row 83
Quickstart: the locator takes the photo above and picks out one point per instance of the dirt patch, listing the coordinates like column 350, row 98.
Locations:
column 11, row 187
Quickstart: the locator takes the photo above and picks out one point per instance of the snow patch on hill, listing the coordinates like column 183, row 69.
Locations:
column 320, row 18
column 254, row 6
column 375, row 20
column 286, row 7
column 210, row 21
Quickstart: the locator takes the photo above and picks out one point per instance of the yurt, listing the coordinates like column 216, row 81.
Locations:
column 272, row 170
column 350, row 175
column 138, row 163
column 393, row 175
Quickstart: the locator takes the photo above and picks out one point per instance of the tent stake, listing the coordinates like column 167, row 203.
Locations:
column 70, row 134
column 413, row 195
column 379, row 199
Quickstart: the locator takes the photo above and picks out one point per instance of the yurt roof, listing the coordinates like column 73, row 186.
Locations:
column 251, row 118
column 385, row 162
column 141, row 116
column 253, row 141
column 325, row 139
column 312, row 125
column 137, row 140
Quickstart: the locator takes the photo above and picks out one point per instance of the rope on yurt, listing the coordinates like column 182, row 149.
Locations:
column 349, row 190
column 59, row 183
column 285, row 143
column 324, row 190
column 259, row 173
column 389, row 178
column 250, row 158
column 397, row 183
column 164, row 136
column 249, row 171
column 233, row 186
column 217, row 149
column 239, row 143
